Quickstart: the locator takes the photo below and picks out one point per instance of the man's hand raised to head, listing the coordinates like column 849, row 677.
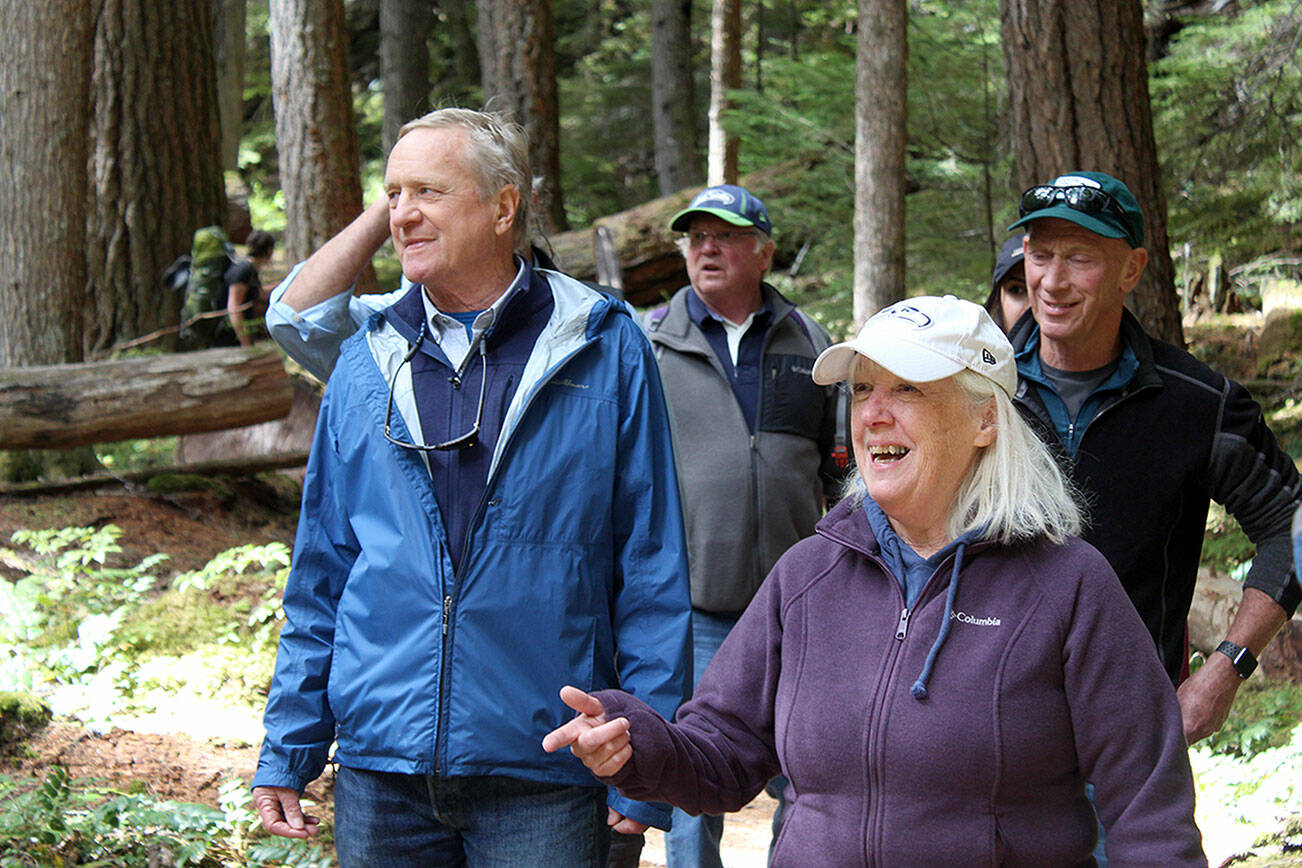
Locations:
column 602, row 745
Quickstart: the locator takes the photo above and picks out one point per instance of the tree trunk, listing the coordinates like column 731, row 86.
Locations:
column 518, row 62
column 466, row 72
column 673, row 96
column 61, row 406
column 230, row 41
column 155, row 163
column 725, row 75
column 404, row 63
column 314, row 123
column 881, row 136
column 1078, row 100
column 45, row 107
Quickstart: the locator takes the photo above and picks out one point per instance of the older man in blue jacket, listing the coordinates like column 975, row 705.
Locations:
column 490, row 511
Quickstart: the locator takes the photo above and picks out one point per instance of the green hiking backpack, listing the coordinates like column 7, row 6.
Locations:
column 211, row 253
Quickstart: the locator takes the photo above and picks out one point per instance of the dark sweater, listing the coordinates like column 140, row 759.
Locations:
column 1151, row 460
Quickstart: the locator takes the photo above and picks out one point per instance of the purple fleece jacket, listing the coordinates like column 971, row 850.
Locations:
column 1046, row 679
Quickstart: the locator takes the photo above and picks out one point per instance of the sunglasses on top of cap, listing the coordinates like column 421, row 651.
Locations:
column 1087, row 200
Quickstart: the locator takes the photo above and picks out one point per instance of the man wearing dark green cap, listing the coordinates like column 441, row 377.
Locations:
column 754, row 436
column 1150, row 435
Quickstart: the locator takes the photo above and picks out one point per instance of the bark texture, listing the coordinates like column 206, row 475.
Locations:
column 725, row 75
column 60, row 406
column 1078, row 100
column 404, row 63
column 230, row 20
column 45, row 106
column 156, row 166
column 314, row 122
column 518, row 64
column 881, row 137
column 673, row 96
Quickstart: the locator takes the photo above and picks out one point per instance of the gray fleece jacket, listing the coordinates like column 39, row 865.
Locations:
column 746, row 498
column 1046, row 679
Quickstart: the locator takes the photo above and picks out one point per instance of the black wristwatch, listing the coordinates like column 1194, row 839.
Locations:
column 1244, row 663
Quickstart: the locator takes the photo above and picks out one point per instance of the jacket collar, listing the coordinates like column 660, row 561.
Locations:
column 407, row 314
column 676, row 329
column 1027, row 331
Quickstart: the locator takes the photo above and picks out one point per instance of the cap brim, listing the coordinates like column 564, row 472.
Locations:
column 905, row 359
column 1080, row 218
column 682, row 218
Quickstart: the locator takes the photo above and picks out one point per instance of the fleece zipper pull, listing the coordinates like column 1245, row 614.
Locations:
column 902, row 628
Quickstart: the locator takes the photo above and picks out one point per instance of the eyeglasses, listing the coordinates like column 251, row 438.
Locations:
column 1087, row 200
column 465, row 441
column 727, row 238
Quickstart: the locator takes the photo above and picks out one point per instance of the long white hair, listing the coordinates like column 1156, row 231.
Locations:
column 1014, row 489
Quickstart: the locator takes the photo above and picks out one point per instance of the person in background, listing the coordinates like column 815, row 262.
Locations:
column 490, row 505
column 755, row 439
column 1150, row 436
column 942, row 667
column 1007, row 300
column 245, row 299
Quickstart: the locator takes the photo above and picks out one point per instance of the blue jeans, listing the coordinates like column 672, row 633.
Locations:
column 693, row 842
column 385, row 820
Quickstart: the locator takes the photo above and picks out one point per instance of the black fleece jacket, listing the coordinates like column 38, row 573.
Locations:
column 1176, row 437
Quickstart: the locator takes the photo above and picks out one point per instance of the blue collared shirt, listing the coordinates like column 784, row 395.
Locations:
column 744, row 374
column 1070, row 431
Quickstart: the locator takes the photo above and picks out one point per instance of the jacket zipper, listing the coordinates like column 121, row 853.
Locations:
column 449, row 600
column 902, row 628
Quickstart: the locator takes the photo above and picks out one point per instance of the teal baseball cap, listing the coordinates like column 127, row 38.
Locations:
column 1094, row 200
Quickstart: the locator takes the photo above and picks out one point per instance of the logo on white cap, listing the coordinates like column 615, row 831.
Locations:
column 909, row 314
column 721, row 196
column 987, row 356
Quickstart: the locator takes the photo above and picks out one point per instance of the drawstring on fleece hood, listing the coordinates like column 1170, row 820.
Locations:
column 919, row 688
column 912, row 572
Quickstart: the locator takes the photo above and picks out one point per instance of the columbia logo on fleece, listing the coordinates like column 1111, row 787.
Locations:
column 974, row 620
column 569, row 384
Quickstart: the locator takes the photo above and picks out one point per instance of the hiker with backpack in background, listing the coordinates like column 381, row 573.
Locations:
column 216, row 279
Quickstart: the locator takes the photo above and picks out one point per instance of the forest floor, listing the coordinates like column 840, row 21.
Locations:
column 184, row 753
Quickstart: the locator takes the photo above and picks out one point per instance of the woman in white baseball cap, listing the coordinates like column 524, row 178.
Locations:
column 944, row 665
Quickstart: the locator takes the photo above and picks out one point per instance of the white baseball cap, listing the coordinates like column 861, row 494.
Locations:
column 924, row 339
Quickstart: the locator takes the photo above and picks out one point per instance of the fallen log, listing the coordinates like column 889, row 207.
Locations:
column 62, row 406
column 250, row 465
column 1216, row 602
column 650, row 265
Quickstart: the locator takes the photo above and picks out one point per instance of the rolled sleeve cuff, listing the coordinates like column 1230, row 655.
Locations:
column 655, row 814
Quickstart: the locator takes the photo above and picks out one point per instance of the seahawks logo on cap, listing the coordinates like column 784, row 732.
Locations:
column 987, row 356
column 721, row 196
column 909, row 314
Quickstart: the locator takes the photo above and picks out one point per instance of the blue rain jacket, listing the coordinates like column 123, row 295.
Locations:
column 575, row 570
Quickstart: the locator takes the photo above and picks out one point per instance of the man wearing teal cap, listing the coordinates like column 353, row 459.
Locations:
column 755, row 439
column 1150, row 435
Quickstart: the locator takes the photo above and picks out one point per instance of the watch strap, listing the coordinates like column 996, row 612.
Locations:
column 1243, row 660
